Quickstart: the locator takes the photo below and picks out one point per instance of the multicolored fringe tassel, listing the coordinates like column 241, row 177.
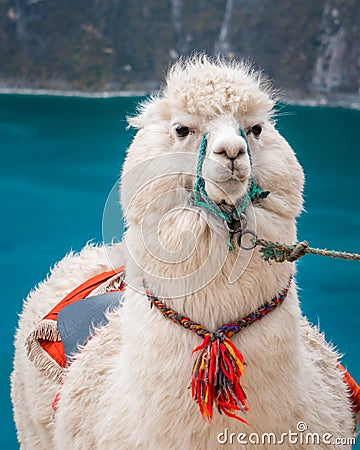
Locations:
column 215, row 378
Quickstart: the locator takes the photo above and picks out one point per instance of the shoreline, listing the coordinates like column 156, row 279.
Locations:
column 321, row 99
column 72, row 93
column 348, row 101
column 325, row 103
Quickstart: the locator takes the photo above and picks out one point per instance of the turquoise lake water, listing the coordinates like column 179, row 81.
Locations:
column 60, row 158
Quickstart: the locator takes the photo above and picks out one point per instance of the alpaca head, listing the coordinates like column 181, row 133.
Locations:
column 217, row 99
column 232, row 105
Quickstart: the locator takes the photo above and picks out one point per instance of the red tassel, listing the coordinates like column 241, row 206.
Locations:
column 216, row 378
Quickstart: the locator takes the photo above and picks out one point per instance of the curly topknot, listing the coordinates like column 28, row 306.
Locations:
column 207, row 87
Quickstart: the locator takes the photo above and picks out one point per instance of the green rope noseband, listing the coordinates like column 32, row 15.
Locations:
column 201, row 198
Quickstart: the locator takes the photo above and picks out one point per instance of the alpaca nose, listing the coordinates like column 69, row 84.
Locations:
column 232, row 149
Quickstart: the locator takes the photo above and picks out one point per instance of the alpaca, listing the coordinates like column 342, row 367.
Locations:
column 128, row 388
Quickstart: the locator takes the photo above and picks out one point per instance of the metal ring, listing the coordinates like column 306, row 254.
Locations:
column 239, row 239
column 253, row 244
column 237, row 230
column 227, row 226
column 243, row 220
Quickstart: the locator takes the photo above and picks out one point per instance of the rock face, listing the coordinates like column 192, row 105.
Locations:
column 337, row 63
column 308, row 47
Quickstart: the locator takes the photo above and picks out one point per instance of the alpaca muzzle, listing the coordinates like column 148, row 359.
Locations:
column 202, row 199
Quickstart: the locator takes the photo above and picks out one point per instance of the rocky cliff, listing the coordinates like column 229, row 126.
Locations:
column 308, row 47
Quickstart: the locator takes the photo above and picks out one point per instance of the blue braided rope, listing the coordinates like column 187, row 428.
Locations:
column 202, row 199
column 243, row 135
column 229, row 329
column 200, row 195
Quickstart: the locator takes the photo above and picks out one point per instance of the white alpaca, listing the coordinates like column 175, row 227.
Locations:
column 129, row 387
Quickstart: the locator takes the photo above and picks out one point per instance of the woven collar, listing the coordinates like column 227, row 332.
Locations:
column 218, row 365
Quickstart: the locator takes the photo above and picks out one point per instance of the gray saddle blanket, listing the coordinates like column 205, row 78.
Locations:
column 78, row 322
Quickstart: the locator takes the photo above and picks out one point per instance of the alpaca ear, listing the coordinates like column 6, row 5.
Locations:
column 153, row 110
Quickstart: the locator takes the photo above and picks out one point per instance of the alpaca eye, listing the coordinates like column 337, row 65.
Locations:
column 256, row 130
column 182, row 130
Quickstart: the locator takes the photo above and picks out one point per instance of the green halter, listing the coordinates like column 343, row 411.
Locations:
column 202, row 199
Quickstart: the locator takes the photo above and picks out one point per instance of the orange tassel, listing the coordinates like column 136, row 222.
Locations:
column 216, row 376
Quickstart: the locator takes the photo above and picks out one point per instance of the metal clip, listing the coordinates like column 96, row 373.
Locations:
column 243, row 224
column 252, row 245
column 241, row 231
column 230, row 230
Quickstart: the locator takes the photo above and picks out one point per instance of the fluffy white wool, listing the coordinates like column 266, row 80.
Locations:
column 128, row 389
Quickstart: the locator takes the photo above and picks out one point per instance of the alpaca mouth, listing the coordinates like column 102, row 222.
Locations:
column 235, row 178
column 233, row 175
column 227, row 174
column 227, row 191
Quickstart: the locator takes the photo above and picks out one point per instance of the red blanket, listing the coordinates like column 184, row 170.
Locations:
column 44, row 346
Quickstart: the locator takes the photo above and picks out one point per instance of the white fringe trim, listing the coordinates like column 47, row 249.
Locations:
column 112, row 284
column 47, row 330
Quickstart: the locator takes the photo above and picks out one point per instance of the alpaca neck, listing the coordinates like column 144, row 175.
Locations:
column 212, row 286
